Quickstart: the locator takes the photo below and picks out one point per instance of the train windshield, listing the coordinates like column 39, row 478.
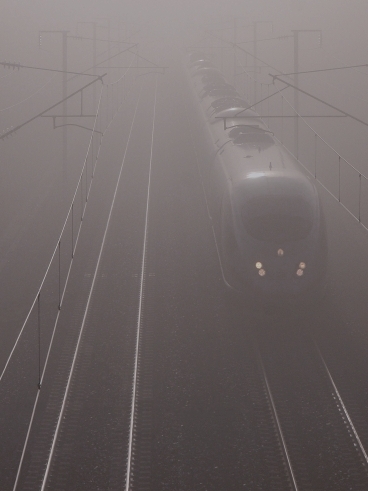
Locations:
column 274, row 218
column 254, row 138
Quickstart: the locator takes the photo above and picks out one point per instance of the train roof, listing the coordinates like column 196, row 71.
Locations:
column 277, row 183
column 256, row 166
column 237, row 112
column 207, row 71
column 253, row 160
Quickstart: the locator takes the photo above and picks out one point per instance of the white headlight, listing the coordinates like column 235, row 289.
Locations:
column 302, row 265
column 258, row 265
column 261, row 272
column 300, row 272
column 280, row 252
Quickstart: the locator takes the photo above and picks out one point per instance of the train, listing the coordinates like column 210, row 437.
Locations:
column 264, row 207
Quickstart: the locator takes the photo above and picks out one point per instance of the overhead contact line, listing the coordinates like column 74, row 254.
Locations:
column 326, row 69
column 62, row 289
column 67, row 389
column 276, row 77
column 18, row 66
column 13, row 130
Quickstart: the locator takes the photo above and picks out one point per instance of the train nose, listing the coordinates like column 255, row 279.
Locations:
column 280, row 267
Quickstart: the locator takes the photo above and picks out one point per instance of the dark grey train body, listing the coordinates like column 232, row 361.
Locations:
column 265, row 209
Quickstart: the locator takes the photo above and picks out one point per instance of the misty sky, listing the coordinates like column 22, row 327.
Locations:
column 19, row 19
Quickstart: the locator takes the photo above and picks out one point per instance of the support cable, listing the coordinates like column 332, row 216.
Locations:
column 74, row 245
column 29, row 97
column 18, row 66
column 106, row 59
column 235, row 45
column 326, row 70
column 13, row 130
column 314, row 175
column 50, row 262
column 70, row 213
column 276, row 77
column 66, row 393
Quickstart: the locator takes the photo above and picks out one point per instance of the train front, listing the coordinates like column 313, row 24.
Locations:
column 280, row 232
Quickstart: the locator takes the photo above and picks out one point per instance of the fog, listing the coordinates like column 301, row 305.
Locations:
column 138, row 351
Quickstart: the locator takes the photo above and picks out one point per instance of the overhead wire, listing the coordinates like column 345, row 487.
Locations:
column 30, row 96
column 70, row 211
column 360, row 174
column 60, row 236
column 66, row 393
column 332, row 149
column 42, row 373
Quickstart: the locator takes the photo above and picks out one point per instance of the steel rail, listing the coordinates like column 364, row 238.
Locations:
column 140, row 311
column 35, row 404
column 76, row 351
column 277, row 420
column 341, row 403
column 58, row 314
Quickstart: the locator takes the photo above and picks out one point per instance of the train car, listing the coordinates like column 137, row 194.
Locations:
column 265, row 208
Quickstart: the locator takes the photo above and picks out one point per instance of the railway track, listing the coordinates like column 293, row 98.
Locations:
column 32, row 468
column 351, row 453
column 321, row 441
column 120, row 435
column 261, row 390
column 169, row 388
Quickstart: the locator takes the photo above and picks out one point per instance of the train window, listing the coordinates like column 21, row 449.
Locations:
column 241, row 130
column 238, row 110
column 212, row 77
column 217, row 84
column 223, row 92
column 277, row 218
column 207, row 71
column 196, row 56
column 229, row 103
column 203, row 63
column 258, row 138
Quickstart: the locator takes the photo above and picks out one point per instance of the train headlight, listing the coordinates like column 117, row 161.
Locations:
column 299, row 272
column 261, row 272
column 259, row 265
column 302, row 265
